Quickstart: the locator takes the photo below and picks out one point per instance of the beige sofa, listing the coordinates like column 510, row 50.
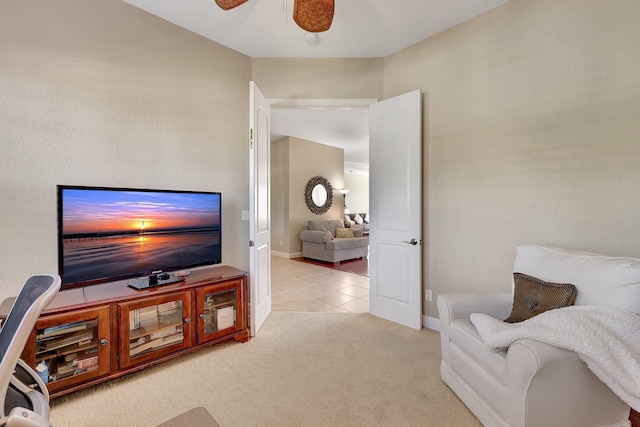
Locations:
column 357, row 220
column 320, row 242
column 533, row 384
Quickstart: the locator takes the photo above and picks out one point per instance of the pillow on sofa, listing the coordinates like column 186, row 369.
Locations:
column 600, row 279
column 344, row 233
column 321, row 225
column 330, row 234
column 534, row 296
column 358, row 219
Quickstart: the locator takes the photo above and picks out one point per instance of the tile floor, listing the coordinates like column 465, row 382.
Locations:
column 297, row 286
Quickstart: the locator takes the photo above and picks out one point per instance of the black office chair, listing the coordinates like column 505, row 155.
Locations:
column 24, row 397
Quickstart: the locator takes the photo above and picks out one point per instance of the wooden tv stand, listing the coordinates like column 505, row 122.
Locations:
column 93, row 334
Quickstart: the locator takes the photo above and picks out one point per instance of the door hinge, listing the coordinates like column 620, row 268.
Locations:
column 251, row 243
column 250, row 138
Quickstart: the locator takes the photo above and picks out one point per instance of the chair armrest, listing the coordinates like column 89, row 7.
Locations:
column 460, row 306
column 314, row 236
column 557, row 388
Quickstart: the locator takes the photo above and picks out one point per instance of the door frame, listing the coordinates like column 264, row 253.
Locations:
column 341, row 103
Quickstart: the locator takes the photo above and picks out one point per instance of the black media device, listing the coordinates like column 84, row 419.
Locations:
column 110, row 234
column 153, row 280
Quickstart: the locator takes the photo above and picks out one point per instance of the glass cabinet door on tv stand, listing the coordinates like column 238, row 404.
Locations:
column 154, row 326
column 70, row 349
column 219, row 310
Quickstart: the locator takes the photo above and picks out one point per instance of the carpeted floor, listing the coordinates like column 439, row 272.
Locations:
column 303, row 369
column 355, row 266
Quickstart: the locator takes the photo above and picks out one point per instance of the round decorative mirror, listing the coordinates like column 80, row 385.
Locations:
column 318, row 194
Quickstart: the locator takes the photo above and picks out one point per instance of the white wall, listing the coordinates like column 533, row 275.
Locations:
column 358, row 197
column 101, row 93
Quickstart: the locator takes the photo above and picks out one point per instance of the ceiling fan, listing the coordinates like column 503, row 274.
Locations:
column 314, row 16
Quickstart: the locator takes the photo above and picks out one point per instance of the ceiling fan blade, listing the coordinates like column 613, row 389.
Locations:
column 314, row 16
column 229, row 4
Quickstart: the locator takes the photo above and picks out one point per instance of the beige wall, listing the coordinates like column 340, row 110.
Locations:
column 294, row 162
column 280, row 196
column 531, row 130
column 101, row 93
column 531, row 136
column 319, row 78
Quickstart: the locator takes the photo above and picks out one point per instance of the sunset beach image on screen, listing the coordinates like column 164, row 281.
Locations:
column 107, row 234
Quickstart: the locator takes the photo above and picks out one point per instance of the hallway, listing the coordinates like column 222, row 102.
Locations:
column 298, row 286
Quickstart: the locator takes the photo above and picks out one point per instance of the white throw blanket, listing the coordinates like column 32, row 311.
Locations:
column 607, row 339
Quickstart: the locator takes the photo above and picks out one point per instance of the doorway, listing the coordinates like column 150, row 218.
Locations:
column 342, row 124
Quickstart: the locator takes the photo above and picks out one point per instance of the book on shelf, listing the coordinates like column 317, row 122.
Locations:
column 220, row 304
column 165, row 332
column 170, row 312
column 172, row 339
column 87, row 361
column 143, row 317
column 59, row 376
column 225, row 317
column 67, row 340
column 65, row 368
column 148, row 315
column 77, row 363
column 67, row 328
column 169, row 307
column 140, row 346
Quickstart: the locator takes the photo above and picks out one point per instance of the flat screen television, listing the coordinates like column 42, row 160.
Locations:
column 109, row 234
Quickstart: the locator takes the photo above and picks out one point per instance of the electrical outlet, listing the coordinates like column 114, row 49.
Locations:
column 428, row 295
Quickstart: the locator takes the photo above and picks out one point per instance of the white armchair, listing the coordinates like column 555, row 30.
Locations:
column 533, row 384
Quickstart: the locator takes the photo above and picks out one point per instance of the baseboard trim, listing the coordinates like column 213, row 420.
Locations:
column 286, row 255
column 431, row 323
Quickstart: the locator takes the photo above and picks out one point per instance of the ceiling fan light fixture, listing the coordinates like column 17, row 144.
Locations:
column 314, row 16
column 229, row 4
column 311, row 38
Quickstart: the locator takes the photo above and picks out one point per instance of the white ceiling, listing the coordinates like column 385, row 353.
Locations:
column 360, row 29
column 331, row 122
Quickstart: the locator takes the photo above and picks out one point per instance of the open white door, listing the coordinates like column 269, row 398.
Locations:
column 259, row 209
column 395, row 204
